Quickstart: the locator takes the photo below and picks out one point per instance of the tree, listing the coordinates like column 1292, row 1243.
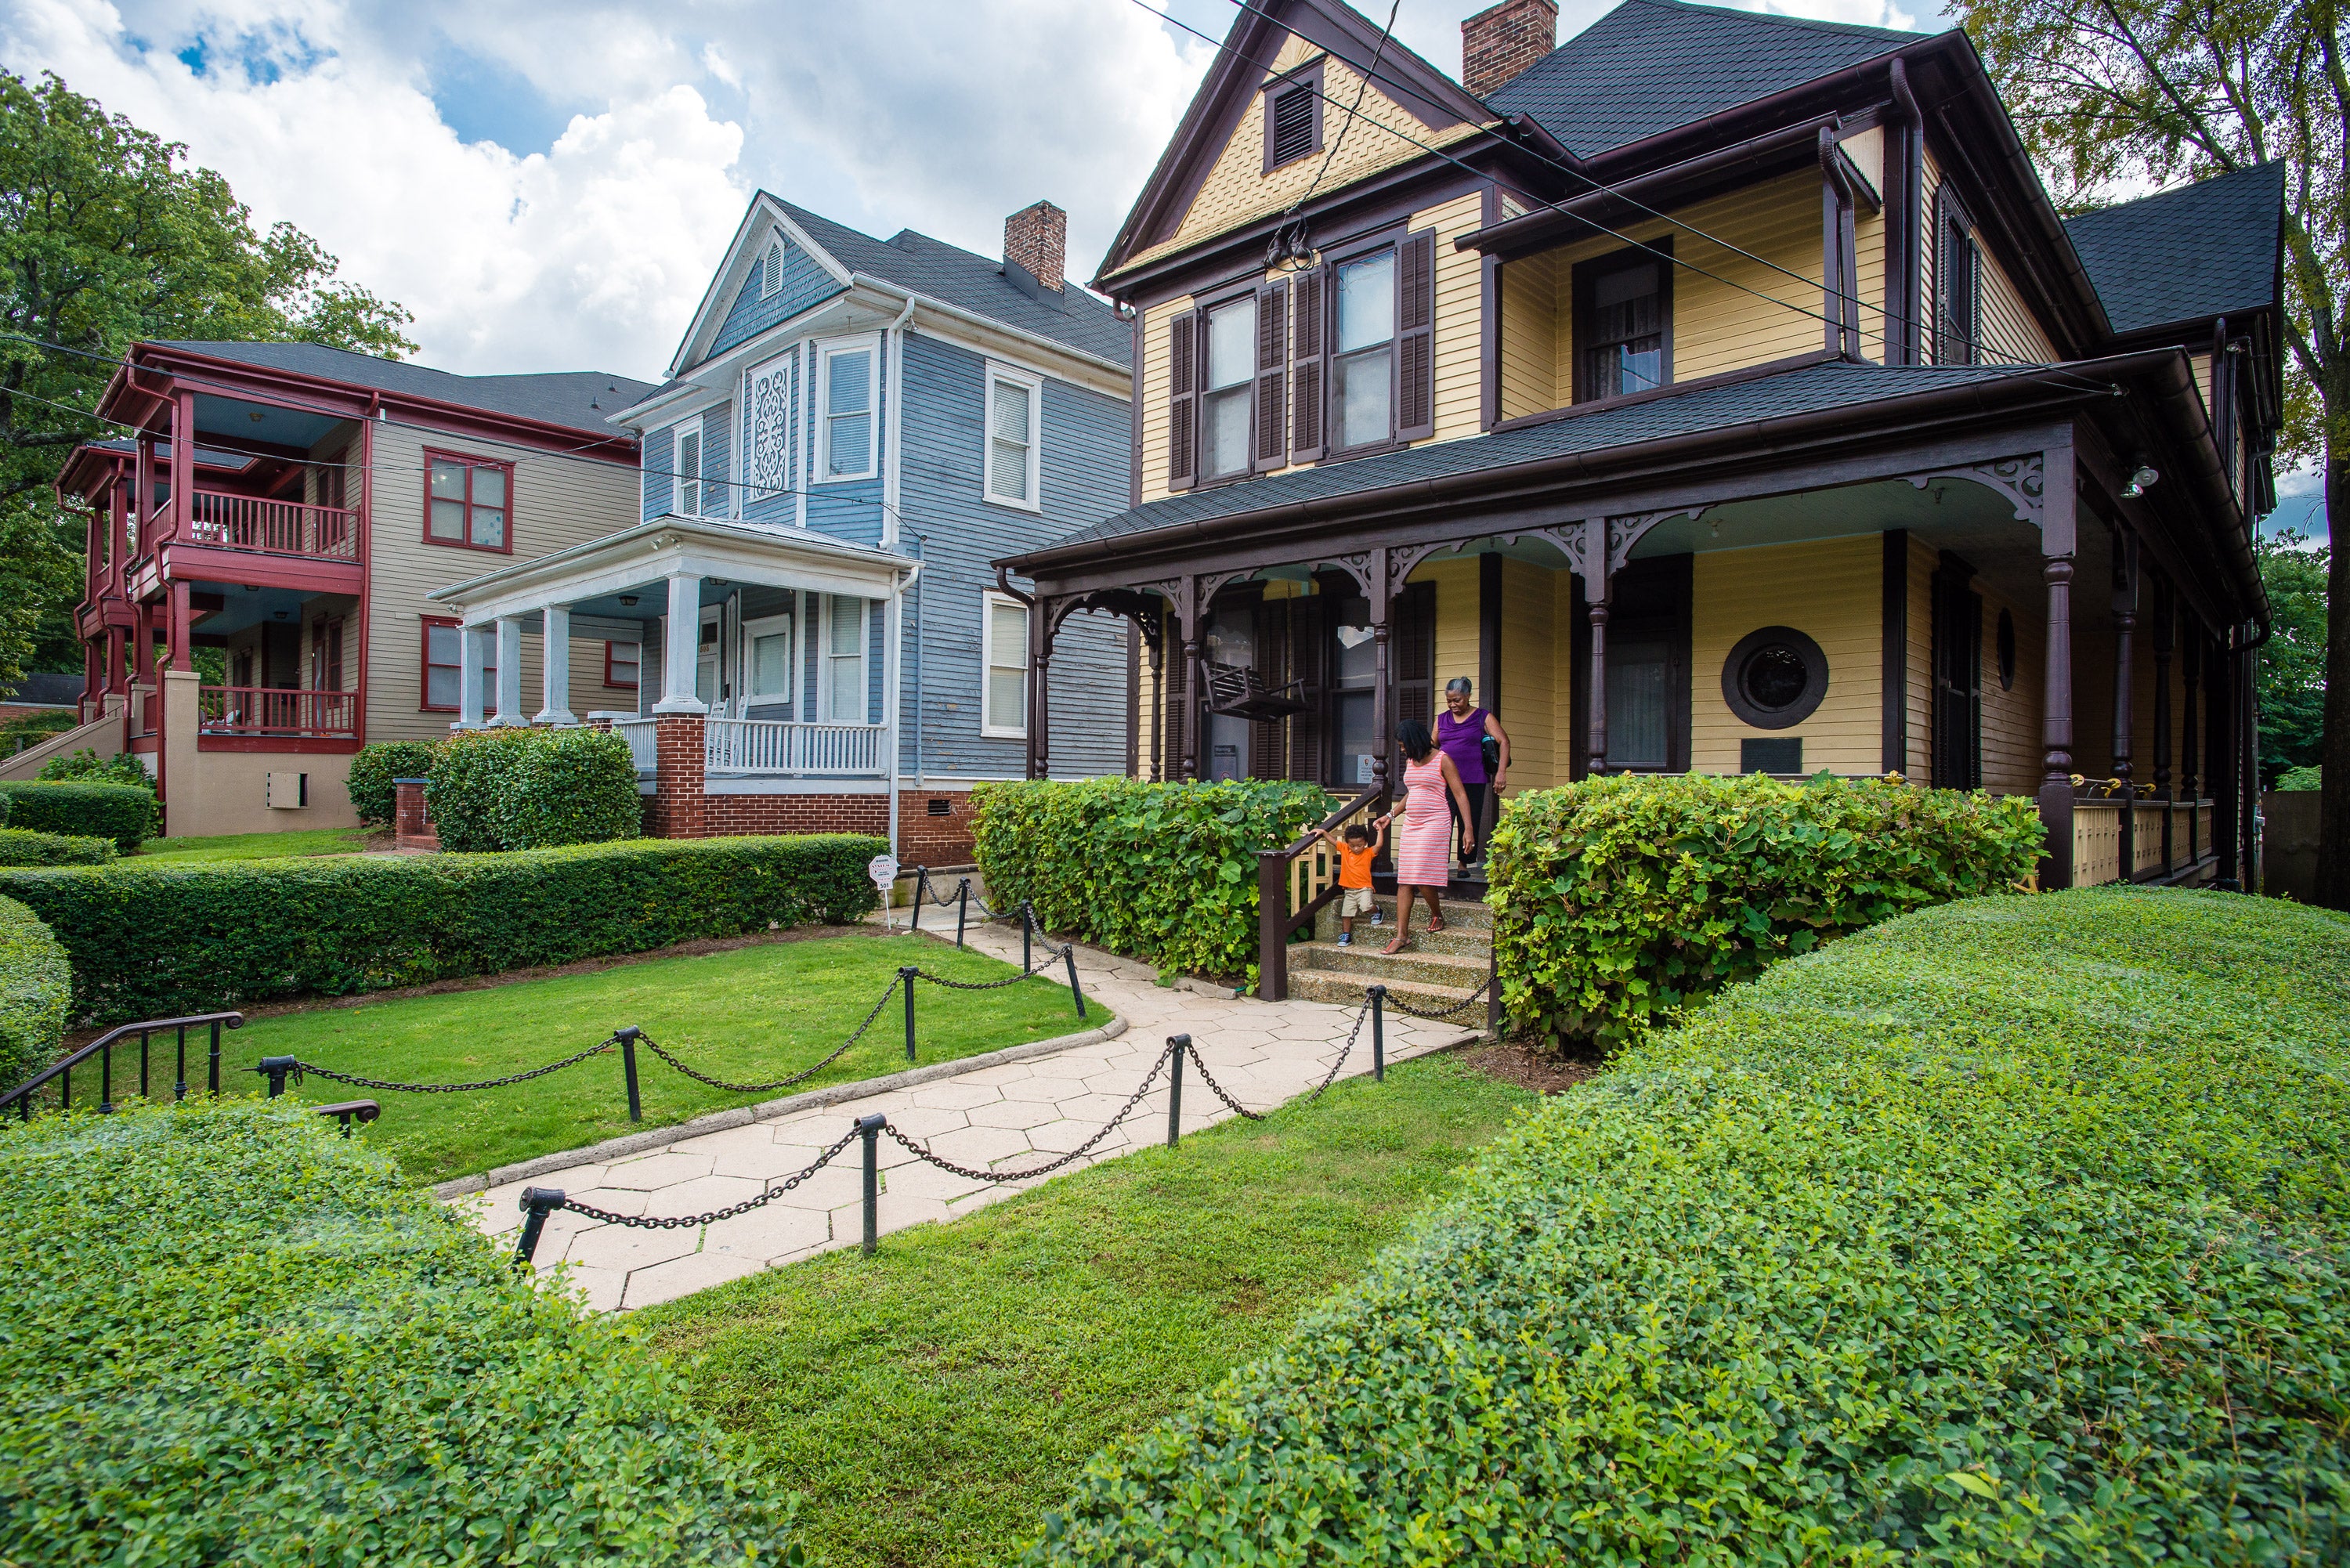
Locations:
column 2289, row 682
column 106, row 237
column 2112, row 92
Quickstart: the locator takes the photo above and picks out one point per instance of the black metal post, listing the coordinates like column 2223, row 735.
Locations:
column 906, row 977
column 628, row 1039
column 276, row 1067
column 1027, row 936
column 105, row 1081
column 962, row 908
column 179, row 1066
column 1180, row 1044
column 1069, row 953
column 869, row 1129
column 922, row 891
column 537, row 1203
column 142, row 1063
column 1379, row 994
column 211, row 1081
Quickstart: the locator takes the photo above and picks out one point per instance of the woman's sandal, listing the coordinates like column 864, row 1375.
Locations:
column 1435, row 924
column 1396, row 946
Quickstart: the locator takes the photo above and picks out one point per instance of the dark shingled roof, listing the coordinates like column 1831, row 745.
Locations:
column 1651, row 64
column 952, row 275
column 1802, row 390
column 2200, row 251
column 581, row 400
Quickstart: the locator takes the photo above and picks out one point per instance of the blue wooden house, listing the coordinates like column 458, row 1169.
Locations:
column 805, row 614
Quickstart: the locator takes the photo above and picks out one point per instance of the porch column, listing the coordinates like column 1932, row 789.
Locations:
column 1190, row 617
column 2057, row 547
column 509, row 693
column 2124, row 700
column 1157, row 642
column 142, row 492
column 181, row 613
column 1382, row 700
column 2190, row 675
column 682, row 648
column 118, row 681
column 1599, row 587
column 117, row 520
column 469, row 677
column 2165, row 620
column 1032, row 690
column 555, row 668
column 1040, row 716
column 183, row 468
column 2219, row 760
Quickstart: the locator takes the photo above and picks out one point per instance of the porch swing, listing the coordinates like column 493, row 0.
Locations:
column 1238, row 689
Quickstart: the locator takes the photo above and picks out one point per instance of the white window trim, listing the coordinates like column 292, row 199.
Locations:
column 677, row 473
column 770, row 277
column 825, row 656
column 820, row 406
column 1004, row 375
column 988, row 727
column 756, row 627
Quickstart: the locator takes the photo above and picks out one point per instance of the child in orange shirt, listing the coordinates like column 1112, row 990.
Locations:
column 1355, row 853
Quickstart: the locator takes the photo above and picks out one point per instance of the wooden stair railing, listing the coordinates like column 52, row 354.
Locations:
column 1292, row 882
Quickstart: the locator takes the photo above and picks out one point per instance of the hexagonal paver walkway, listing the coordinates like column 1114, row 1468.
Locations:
column 1005, row 1117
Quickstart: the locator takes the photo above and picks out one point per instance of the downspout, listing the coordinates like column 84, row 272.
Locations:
column 1909, row 251
column 922, row 600
column 892, row 487
column 895, row 713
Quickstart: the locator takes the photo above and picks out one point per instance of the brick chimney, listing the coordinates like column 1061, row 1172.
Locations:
column 1501, row 40
column 1037, row 241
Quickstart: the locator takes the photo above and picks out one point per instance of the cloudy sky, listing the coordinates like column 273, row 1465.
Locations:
column 550, row 186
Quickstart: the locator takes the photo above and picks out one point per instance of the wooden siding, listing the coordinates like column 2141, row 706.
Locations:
column 1530, row 349
column 2011, row 754
column 1460, row 316
column 1155, row 392
column 2009, row 333
column 1918, row 663
column 1456, row 613
column 558, row 502
column 1533, row 661
column 1833, row 591
column 801, row 282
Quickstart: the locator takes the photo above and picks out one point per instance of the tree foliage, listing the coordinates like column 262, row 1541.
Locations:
column 2291, row 680
column 107, row 236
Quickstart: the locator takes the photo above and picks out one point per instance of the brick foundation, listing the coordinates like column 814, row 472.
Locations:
column 411, row 825
column 731, row 813
column 927, row 840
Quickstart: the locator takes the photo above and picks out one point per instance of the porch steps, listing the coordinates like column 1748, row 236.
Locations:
column 1438, row 969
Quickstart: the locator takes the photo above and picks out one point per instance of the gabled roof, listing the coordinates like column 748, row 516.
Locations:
column 1649, row 66
column 2212, row 248
column 579, row 400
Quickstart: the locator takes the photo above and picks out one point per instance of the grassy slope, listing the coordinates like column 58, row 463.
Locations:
column 301, row 844
column 749, row 1014
column 934, row 1400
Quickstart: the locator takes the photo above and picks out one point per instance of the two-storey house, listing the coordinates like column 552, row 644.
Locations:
column 291, row 506
column 852, row 431
column 1717, row 391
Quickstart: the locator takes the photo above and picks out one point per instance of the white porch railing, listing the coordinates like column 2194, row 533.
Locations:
column 643, row 744
column 778, row 746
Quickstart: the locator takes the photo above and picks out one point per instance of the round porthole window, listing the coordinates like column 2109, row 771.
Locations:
column 2006, row 650
column 1774, row 677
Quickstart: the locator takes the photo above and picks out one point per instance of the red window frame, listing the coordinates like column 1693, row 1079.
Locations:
column 434, row 454
column 628, row 685
column 424, row 703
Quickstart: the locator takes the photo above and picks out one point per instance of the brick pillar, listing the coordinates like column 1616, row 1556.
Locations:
column 411, row 819
column 679, row 809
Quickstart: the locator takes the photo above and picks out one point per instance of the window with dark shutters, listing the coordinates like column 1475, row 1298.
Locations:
column 1272, row 376
column 1416, row 337
column 1305, row 420
column 1182, row 401
column 1958, row 283
column 1415, row 665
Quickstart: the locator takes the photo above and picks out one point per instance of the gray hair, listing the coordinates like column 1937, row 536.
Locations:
column 1458, row 683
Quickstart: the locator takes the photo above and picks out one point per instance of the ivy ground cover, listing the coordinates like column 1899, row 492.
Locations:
column 2012, row 1231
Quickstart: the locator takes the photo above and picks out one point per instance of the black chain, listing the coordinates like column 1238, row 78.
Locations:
column 302, row 1067
column 1051, row 955
column 918, row 1152
column 773, row 1189
column 1461, row 1006
column 838, row 1052
column 1328, row 1078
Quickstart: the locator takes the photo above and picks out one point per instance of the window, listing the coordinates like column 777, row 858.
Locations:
column 1623, row 327
column 1292, row 117
column 1958, row 283
column 767, row 644
column 1229, row 392
column 466, row 502
column 1013, row 419
column 1774, row 678
column 686, row 471
column 844, row 660
column 1362, row 374
column 1003, row 701
column 771, row 269
column 848, row 429
column 623, row 664
column 444, row 667
column 1639, row 717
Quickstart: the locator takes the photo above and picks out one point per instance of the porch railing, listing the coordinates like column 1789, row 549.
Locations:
column 1292, row 882
column 738, row 746
column 644, row 742
column 2097, row 838
column 277, row 527
column 268, row 711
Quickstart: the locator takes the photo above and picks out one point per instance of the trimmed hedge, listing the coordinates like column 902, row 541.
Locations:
column 36, row 984
column 125, row 813
column 375, row 765
column 23, row 846
column 235, row 1338
column 156, row 942
column 83, row 767
column 1162, row 872
column 533, row 789
column 2015, row 1230
column 1618, row 898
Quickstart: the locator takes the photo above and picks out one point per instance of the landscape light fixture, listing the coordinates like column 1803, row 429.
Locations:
column 2140, row 481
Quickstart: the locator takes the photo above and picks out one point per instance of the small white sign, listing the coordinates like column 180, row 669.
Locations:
column 883, row 869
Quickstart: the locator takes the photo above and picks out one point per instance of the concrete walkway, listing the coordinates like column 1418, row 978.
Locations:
column 1009, row 1116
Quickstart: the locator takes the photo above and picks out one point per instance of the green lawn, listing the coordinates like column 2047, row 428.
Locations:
column 933, row 1402
column 748, row 1015
column 306, row 842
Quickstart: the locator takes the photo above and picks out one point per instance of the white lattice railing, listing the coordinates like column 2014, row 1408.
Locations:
column 779, row 746
column 642, row 745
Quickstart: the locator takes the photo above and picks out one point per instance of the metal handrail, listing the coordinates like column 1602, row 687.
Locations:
column 21, row 1096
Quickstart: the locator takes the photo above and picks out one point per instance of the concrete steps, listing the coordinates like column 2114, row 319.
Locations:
column 1438, row 969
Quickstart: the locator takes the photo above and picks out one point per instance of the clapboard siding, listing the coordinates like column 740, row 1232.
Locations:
column 2008, row 332
column 1527, row 701
column 1832, row 590
column 1460, row 311
column 801, row 282
column 1918, row 663
column 1530, row 348
column 2011, row 755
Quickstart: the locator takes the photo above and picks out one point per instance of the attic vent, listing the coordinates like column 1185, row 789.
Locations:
column 771, row 270
column 1293, row 124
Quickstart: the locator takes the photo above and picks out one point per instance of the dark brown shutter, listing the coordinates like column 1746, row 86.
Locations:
column 1182, row 401
column 1272, row 376
column 1307, row 636
column 1415, row 656
column 1306, row 381
column 1416, row 337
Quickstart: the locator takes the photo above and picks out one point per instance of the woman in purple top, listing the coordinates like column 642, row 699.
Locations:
column 1461, row 732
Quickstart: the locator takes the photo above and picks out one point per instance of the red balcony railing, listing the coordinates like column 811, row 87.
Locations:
column 278, row 527
column 265, row 711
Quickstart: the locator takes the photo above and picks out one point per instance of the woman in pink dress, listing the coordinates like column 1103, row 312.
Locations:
column 1424, row 841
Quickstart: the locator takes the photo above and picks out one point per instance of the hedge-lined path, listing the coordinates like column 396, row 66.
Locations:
column 1012, row 1115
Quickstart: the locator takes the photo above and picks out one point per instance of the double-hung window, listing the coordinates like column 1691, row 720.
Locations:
column 1015, row 418
column 444, row 666
column 623, row 664
column 686, row 471
column 767, row 649
column 1622, row 326
column 1003, row 701
column 844, row 660
column 466, row 501
column 848, row 407
column 1362, row 369
column 1229, row 389
column 1958, row 285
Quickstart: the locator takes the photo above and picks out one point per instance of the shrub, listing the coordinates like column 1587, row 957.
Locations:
column 235, row 1338
column 534, row 789
column 2013, row 1230
column 36, row 984
column 159, row 941
column 1618, row 897
column 1163, row 872
column 23, row 846
column 84, row 767
column 2308, row 778
column 374, row 767
column 124, row 812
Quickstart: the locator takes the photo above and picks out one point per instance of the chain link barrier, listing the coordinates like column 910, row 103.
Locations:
column 1463, row 1005
column 1001, row 1176
column 773, row 1189
column 801, row 1078
column 1050, row 955
column 301, row 1067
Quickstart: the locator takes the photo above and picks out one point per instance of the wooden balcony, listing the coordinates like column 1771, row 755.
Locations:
column 228, row 522
column 268, row 719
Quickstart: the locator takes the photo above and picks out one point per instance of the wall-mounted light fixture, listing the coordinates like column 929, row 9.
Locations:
column 2141, row 480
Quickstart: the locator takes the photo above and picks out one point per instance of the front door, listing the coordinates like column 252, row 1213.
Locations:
column 710, row 685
